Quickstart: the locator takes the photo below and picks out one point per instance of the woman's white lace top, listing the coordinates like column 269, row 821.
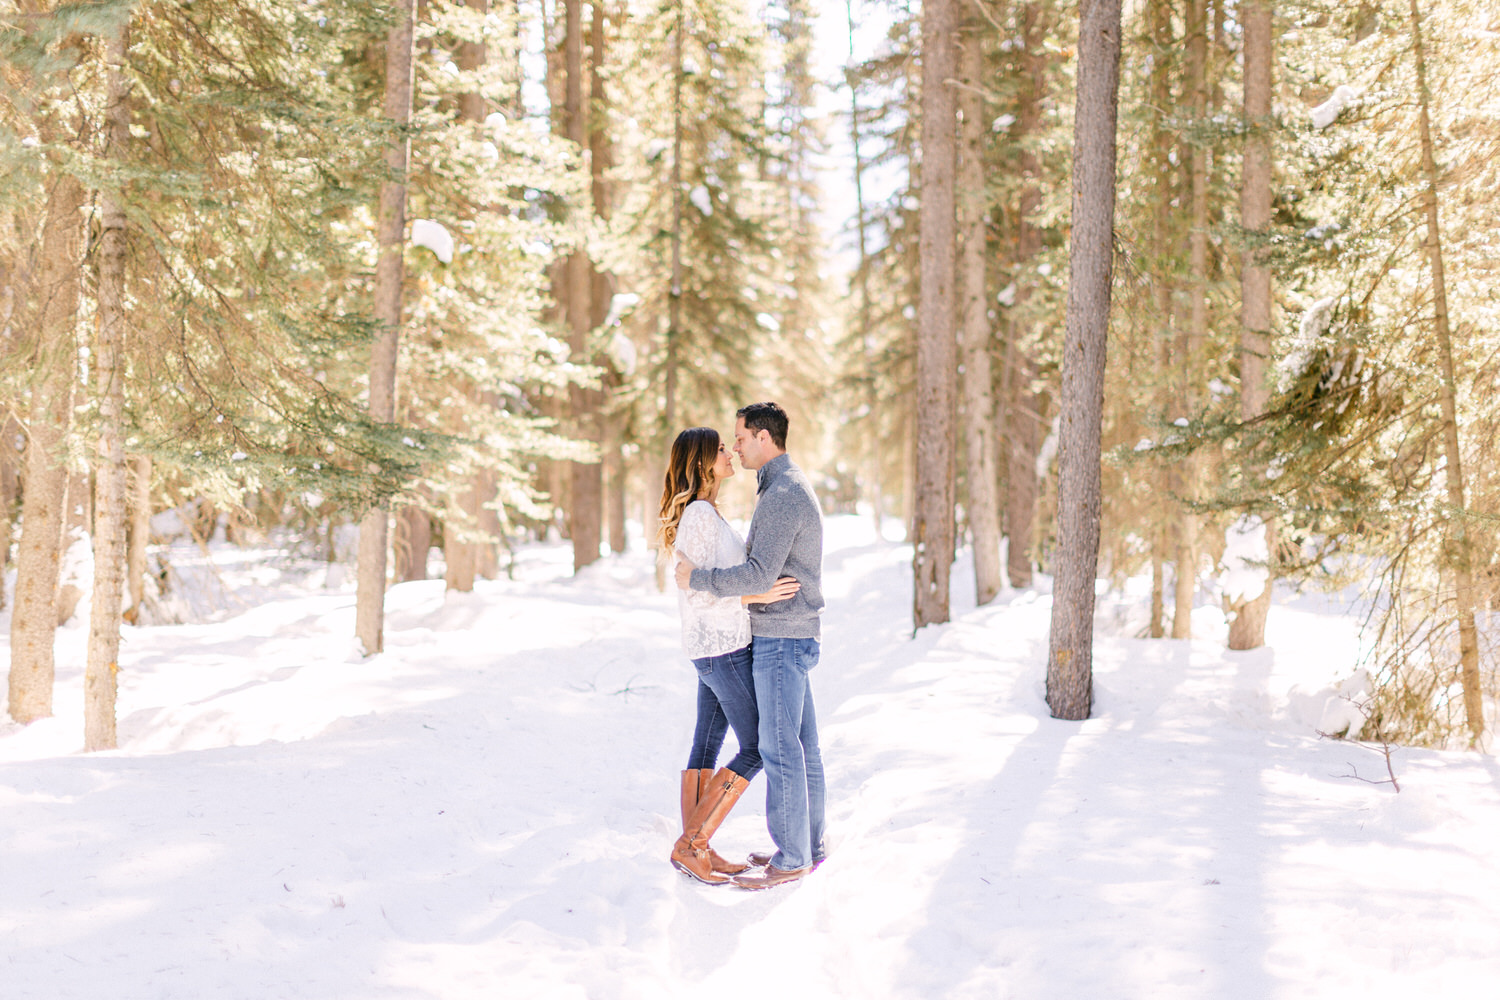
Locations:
column 711, row 626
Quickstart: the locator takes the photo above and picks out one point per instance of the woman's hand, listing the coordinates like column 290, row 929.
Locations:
column 780, row 591
column 684, row 572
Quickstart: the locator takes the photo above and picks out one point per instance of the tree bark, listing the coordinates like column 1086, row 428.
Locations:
column 586, row 510
column 1459, row 547
column 1024, row 409
column 1192, row 338
column 34, row 618
column 611, row 467
column 461, row 550
column 1247, row 626
column 932, row 521
column 100, row 680
column 140, row 534
column 10, row 490
column 981, row 474
column 369, row 608
column 1091, row 268
column 1163, row 253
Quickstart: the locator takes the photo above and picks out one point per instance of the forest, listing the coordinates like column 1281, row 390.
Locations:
column 1200, row 291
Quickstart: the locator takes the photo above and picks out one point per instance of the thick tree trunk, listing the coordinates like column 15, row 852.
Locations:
column 34, row 617
column 981, row 474
column 369, row 607
column 100, row 680
column 1091, row 268
column 932, row 522
column 1247, row 626
column 1459, row 548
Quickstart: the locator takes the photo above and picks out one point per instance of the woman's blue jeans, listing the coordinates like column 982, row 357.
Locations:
column 726, row 699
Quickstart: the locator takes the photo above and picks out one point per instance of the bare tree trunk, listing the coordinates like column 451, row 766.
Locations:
column 982, row 477
column 1163, row 253
column 1024, row 414
column 611, row 468
column 1247, row 625
column 1091, row 268
column 586, row 509
column 10, row 490
column 413, row 538
column 1459, row 550
column 932, row 523
column 140, row 534
column 873, row 484
column 369, row 607
column 100, row 680
column 34, row 618
column 460, row 547
column 674, row 306
column 1196, row 332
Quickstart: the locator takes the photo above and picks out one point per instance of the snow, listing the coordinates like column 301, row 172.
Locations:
column 701, row 200
column 1243, row 573
column 435, row 237
column 1324, row 114
column 485, row 809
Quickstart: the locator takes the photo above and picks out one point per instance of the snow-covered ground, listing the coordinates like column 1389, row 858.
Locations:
column 485, row 810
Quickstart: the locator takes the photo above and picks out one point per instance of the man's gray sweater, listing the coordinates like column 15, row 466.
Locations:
column 786, row 539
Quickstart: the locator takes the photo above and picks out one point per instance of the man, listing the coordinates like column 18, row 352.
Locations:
column 786, row 539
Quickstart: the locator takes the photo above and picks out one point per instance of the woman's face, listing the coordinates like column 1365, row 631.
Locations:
column 723, row 465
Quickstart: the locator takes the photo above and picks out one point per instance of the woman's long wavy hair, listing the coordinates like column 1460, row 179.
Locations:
column 690, row 476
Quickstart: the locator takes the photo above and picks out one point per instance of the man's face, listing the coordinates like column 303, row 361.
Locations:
column 751, row 446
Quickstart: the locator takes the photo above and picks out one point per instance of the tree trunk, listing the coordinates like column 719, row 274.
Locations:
column 1247, row 626
column 874, row 485
column 611, row 468
column 1023, row 408
column 1091, row 264
column 10, row 490
column 932, row 522
column 369, row 607
column 1163, row 253
column 1459, row 548
column 586, row 510
column 982, row 477
column 1192, row 338
column 34, row 618
column 140, row 534
column 413, row 539
column 100, row 680
column 674, row 293
column 460, row 548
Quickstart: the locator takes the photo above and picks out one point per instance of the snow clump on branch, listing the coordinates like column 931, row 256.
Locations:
column 1324, row 114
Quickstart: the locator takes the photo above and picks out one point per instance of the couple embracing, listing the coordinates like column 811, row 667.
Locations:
column 750, row 625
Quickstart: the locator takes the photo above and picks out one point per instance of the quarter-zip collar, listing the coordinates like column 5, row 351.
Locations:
column 770, row 471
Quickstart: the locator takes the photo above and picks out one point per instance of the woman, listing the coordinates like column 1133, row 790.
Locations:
column 716, row 637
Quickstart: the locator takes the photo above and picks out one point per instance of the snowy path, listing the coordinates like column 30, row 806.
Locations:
column 485, row 810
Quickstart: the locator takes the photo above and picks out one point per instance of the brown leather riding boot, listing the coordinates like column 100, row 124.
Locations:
column 722, row 865
column 691, row 853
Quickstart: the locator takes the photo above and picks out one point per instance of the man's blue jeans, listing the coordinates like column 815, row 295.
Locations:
column 726, row 693
column 789, row 748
